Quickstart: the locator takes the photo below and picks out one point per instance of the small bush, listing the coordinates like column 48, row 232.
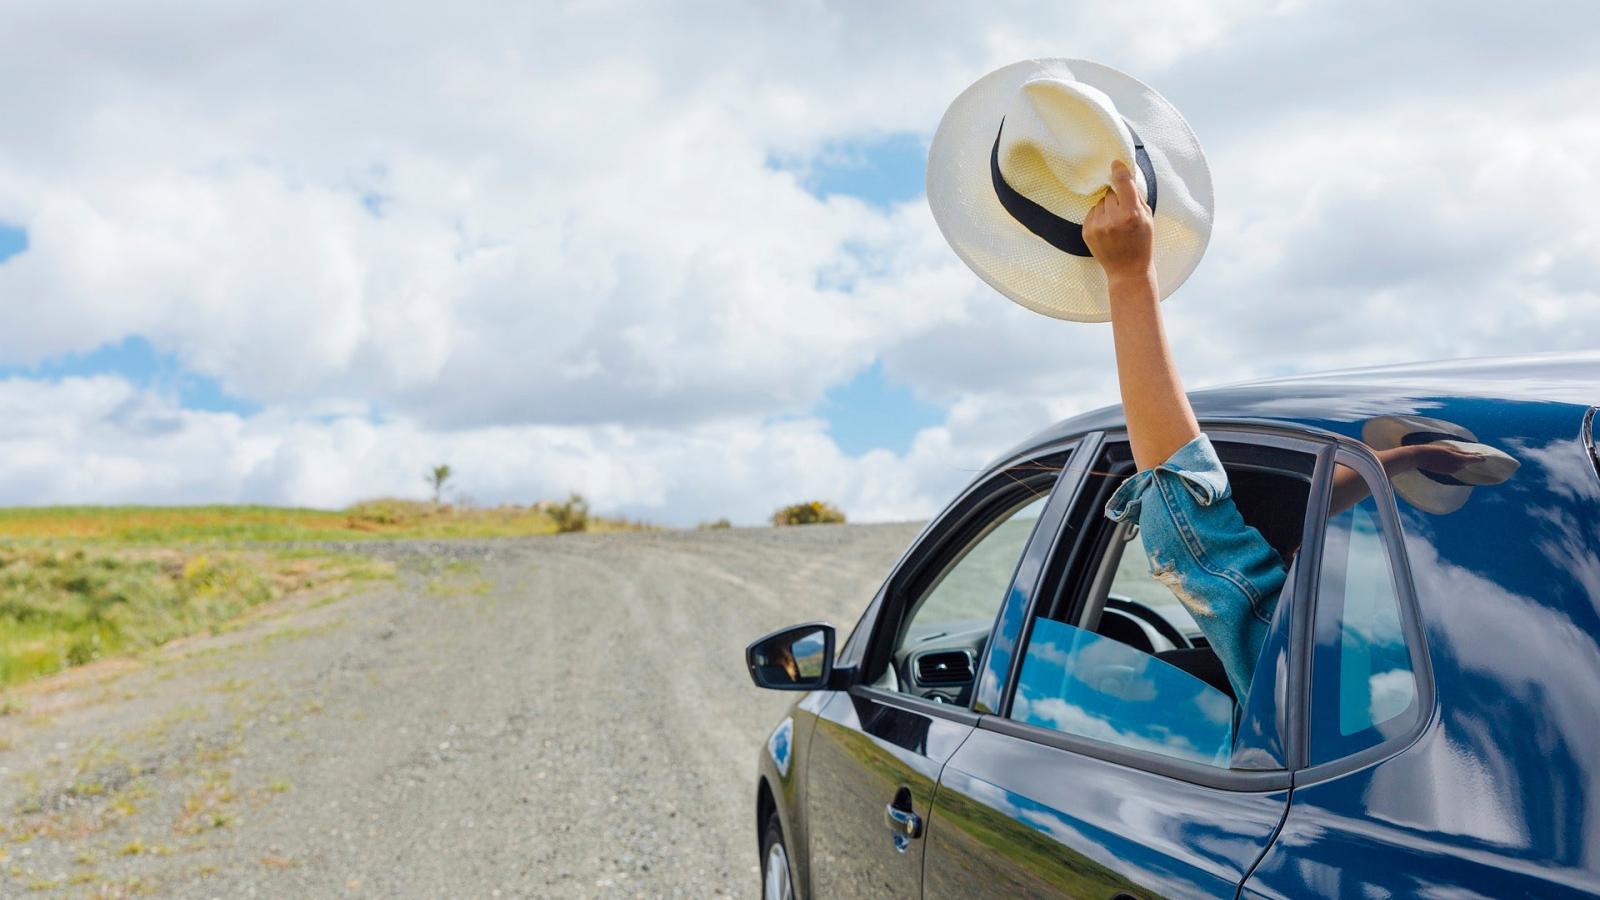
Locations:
column 816, row 512
column 570, row 516
column 389, row 513
column 715, row 525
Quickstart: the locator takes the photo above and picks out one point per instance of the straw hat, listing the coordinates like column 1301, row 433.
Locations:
column 1023, row 155
column 1436, row 492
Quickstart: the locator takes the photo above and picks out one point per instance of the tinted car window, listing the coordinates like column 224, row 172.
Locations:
column 1082, row 683
column 949, row 624
column 1364, row 688
column 971, row 590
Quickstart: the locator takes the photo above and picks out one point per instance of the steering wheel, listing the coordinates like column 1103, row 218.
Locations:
column 1155, row 620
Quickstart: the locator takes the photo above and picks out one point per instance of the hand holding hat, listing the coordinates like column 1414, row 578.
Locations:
column 1118, row 230
column 1450, row 461
column 1443, row 457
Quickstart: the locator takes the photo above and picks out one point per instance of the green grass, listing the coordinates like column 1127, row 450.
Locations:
column 82, row 583
column 66, row 606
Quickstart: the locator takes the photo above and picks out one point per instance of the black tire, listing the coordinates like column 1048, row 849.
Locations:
column 782, row 887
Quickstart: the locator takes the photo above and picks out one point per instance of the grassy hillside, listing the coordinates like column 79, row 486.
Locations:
column 66, row 606
column 83, row 583
column 162, row 525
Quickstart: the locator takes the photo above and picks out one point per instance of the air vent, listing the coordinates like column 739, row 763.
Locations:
column 944, row 667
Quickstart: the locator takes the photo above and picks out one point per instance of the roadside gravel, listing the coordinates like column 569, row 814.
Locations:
column 547, row 717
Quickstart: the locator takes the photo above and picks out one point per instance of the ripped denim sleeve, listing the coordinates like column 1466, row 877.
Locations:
column 1223, row 571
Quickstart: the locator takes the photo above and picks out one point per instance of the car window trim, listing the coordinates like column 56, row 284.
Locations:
column 1319, row 445
column 915, row 704
column 1241, row 780
column 1294, row 719
column 1363, row 460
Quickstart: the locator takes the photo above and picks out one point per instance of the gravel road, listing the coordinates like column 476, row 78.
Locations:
column 551, row 717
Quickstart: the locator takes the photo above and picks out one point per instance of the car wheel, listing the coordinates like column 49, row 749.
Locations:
column 776, row 877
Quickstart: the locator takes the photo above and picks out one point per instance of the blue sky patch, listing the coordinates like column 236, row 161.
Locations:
column 870, row 412
column 882, row 170
column 854, row 262
column 135, row 359
column 13, row 240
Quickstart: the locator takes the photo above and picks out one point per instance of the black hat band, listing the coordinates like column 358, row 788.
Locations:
column 1062, row 234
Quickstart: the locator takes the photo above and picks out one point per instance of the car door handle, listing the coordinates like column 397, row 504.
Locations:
column 903, row 822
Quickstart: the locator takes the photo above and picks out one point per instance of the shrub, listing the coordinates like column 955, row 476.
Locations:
column 816, row 512
column 570, row 516
column 389, row 513
column 715, row 525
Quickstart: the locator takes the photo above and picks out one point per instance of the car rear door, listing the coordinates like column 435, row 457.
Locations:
column 1104, row 771
column 878, row 748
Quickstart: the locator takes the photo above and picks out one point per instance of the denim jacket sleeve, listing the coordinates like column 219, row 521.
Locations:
column 1223, row 571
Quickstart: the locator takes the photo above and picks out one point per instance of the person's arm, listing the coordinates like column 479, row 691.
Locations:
column 1349, row 488
column 1223, row 571
column 1120, row 233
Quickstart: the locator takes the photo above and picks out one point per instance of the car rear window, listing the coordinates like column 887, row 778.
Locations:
column 1364, row 686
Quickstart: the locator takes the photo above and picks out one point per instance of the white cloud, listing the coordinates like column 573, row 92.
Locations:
column 1390, row 693
column 544, row 240
column 102, row 439
column 1056, row 713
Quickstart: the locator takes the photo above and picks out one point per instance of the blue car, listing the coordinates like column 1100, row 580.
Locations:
column 1025, row 710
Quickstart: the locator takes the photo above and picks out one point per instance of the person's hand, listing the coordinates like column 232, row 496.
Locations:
column 1436, row 457
column 1442, row 458
column 1120, row 229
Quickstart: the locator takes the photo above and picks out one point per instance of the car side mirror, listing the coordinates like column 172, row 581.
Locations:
column 797, row 658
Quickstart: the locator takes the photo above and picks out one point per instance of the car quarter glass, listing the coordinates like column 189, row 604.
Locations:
column 1364, row 690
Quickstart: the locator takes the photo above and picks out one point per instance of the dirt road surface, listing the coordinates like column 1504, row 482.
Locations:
column 550, row 717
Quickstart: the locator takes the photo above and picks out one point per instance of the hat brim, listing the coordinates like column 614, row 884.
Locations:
column 1388, row 432
column 1020, row 264
column 1416, row 488
column 1428, row 495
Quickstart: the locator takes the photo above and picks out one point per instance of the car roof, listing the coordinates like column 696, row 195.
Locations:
column 1538, row 389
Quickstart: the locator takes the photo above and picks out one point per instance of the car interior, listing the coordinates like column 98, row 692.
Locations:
column 943, row 634
column 1121, row 600
column 939, row 642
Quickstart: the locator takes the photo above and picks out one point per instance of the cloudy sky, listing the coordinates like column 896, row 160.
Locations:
column 677, row 257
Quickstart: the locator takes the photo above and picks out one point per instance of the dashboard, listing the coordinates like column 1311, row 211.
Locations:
column 939, row 661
